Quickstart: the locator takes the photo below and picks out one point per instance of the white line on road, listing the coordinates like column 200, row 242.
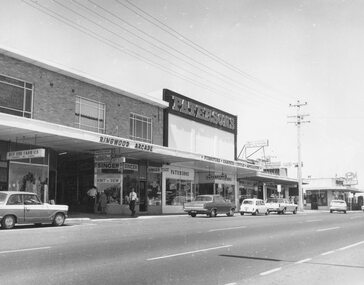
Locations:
column 270, row 271
column 188, row 252
column 303, row 260
column 311, row 221
column 24, row 249
column 356, row 217
column 328, row 229
column 329, row 252
column 224, row 229
column 352, row 245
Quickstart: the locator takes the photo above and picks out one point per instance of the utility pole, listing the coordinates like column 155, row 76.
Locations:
column 299, row 119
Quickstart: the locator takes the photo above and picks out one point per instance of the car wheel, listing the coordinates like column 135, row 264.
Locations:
column 267, row 213
column 231, row 213
column 59, row 219
column 8, row 222
column 193, row 215
column 295, row 211
column 283, row 211
column 331, row 211
column 255, row 213
column 344, row 212
column 213, row 213
column 242, row 213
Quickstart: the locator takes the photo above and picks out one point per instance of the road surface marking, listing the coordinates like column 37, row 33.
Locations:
column 24, row 249
column 329, row 252
column 328, row 229
column 303, row 260
column 223, row 229
column 270, row 271
column 234, row 283
column 311, row 221
column 188, row 252
column 356, row 217
column 352, row 245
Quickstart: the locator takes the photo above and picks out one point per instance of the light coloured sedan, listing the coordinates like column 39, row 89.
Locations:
column 338, row 206
column 26, row 208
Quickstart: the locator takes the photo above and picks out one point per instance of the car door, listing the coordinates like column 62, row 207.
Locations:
column 35, row 210
column 15, row 206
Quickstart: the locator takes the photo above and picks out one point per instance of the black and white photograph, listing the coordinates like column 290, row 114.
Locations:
column 179, row 142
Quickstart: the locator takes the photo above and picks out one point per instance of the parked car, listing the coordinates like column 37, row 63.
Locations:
column 253, row 206
column 281, row 205
column 211, row 205
column 26, row 208
column 338, row 206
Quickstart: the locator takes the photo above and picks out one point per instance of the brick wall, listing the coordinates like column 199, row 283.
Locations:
column 55, row 97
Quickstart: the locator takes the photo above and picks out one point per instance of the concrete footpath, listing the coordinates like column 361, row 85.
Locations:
column 83, row 216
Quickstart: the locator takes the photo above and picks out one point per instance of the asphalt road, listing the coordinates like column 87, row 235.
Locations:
column 315, row 248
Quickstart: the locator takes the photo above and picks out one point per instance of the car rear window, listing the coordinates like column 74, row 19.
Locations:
column 203, row 198
column 2, row 197
column 250, row 202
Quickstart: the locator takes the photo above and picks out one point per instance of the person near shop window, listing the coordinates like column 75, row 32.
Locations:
column 91, row 194
column 132, row 200
column 103, row 202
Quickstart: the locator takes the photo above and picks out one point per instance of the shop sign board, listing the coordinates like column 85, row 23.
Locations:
column 151, row 169
column 108, row 165
column 119, row 142
column 179, row 173
column 230, row 162
column 24, row 154
column 222, row 178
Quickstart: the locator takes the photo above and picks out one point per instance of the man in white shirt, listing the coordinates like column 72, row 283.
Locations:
column 92, row 198
column 132, row 200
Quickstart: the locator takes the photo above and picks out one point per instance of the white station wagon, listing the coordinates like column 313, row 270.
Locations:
column 26, row 208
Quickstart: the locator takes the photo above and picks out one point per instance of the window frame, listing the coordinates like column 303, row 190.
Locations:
column 25, row 87
column 79, row 115
column 145, row 121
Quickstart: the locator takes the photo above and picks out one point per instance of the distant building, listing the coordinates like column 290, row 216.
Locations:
column 318, row 192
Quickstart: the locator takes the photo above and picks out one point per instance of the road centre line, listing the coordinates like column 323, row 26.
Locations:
column 188, row 252
column 223, row 229
column 303, row 260
column 25, row 249
column 327, row 253
column 311, row 221
column 327, row 229
column 352, row 245
column 270, row 271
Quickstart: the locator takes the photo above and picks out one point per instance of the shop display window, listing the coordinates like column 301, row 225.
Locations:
column 178, row 192
column 28, row 177
column 317, row 197
column 226, row 191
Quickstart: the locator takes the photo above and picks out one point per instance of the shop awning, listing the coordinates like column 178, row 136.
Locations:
column 72, row 140
column 270, row 178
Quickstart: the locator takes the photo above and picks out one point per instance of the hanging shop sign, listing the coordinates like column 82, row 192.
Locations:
column 131, row 166
column 109, row 180
column 151, row 169
column 24, row 154
column 186, row 107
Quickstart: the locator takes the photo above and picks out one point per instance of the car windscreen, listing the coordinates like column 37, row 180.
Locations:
column 2, row 197
column 203, row 198
column 248, row 202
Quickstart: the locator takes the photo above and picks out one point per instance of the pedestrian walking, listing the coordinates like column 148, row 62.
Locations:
column 133, row 198
column 91, row 194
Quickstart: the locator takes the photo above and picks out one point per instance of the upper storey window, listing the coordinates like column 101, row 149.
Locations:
column 140, row 128
column 16, row 97
column 90, row 115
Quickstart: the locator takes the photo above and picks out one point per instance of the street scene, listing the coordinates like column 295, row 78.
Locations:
column 172, row 142
column 309, row 248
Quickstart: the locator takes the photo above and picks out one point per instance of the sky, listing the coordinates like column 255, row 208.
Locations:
column 250, row 58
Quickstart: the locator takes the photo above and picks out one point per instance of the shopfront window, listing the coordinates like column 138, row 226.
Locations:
column 317, row 197
column 90, row 115
column 178, row 192
column 154, row 191
column 16, row 97
column 29, row 178
column 140, row 128
column 226, row 191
